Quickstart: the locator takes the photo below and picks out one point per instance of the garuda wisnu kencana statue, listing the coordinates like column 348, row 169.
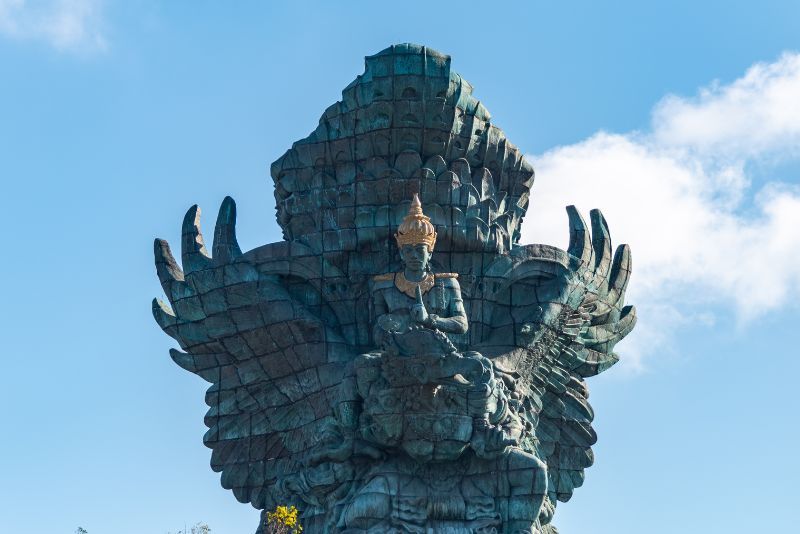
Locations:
column 399, row 363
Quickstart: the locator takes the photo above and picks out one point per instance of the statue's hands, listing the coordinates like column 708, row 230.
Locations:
column 420, row 314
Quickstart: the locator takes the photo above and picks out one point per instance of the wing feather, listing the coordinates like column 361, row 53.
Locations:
column 568, row 314
column 274, row 365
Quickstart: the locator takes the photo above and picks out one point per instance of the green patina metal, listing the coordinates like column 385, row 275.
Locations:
column 394, row 365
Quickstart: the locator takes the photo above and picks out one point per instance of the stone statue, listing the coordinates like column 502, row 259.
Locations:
column 400, row 363
column 442, row 406
column 401, row 300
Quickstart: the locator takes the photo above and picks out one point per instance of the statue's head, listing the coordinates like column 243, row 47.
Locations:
column 416, row 237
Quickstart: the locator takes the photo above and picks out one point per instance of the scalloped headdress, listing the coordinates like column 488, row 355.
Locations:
column 416, row 228
column 407, row 125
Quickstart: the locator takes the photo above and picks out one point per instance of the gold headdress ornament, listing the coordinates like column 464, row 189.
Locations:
column 416, row 227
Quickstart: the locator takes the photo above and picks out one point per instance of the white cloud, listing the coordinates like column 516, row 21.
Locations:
column 67, row 25
column 681, row 196
column 756, row 115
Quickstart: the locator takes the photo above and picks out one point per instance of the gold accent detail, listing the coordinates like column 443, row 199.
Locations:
column 416, row 227
column 410, row 288
column 446, row 275
column 383, row 277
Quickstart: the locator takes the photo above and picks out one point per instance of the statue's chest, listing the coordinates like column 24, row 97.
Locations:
column 435, row 300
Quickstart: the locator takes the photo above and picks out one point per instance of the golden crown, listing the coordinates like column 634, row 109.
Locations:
column 416, row 227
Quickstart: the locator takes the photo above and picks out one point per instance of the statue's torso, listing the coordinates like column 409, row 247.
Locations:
column 438, row 293
column 424, row 396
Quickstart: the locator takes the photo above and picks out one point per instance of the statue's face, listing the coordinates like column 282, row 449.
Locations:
column 415, row 257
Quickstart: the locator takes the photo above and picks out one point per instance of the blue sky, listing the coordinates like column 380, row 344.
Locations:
column 680, row 120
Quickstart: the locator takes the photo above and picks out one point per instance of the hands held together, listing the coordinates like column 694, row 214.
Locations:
column 420, row 314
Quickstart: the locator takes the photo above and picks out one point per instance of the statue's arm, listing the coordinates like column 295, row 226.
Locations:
column 456, row 320
column 379, row 306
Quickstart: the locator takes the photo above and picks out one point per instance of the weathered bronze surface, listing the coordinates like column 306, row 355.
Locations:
column 400, row 363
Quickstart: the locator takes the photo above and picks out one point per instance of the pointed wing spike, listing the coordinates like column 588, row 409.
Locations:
column 627, row 321
column 226, row 247
column 169, row 273
column 193, row 250
column 184, row 359
column 165, row 318
column 620, row 274
column 601, row 242
column 579, row 242
column 189, row 362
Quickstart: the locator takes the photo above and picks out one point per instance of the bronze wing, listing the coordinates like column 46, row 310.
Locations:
column 555, row 319
column 255, row 327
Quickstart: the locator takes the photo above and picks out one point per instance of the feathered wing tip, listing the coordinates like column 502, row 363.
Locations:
column 580, row 320
column 607, row 279
column 184, row 284
column 260, row 349
column 226, row 247
column 579, row 238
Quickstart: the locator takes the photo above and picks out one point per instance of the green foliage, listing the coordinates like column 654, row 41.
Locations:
column 283, row 520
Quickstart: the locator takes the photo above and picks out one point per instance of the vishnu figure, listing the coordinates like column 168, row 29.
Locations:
column 415, row 298
column 417, row 393
column 420, row 393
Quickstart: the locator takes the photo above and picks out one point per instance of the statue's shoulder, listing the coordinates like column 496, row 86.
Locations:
column 383, row 280
column 447, row 279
